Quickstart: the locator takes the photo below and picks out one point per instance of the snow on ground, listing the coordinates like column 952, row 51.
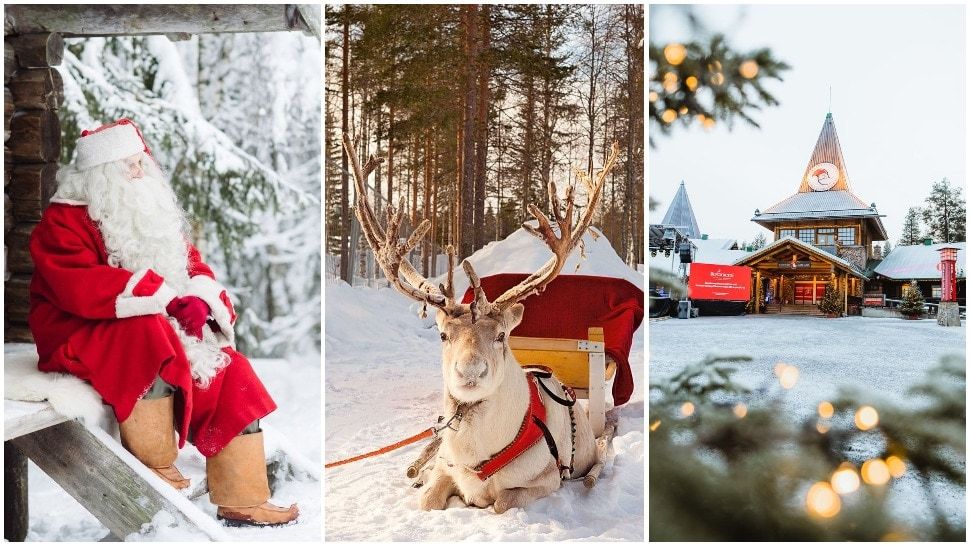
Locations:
column 383, row 383
column 879, row 356
column 294, row 384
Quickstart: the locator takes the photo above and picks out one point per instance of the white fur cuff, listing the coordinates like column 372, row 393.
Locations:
column 211, row 292
column 129, row 305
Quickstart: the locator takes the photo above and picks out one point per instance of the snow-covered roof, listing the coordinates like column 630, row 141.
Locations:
column 823, row 204
column 805, row 247
column 521, row 252
column 919, row 262
column 681, row 214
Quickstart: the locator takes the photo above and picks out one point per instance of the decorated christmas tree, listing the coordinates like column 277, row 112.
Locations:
column 912, row 305
column 831, row 302
column 731, row 464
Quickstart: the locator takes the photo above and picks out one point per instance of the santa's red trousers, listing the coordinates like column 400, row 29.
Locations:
column 121, row 358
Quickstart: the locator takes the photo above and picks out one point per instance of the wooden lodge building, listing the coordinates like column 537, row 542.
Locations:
column 822, row 230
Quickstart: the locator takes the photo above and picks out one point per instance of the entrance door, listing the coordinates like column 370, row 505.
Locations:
column 819, row 291
column 803, row 292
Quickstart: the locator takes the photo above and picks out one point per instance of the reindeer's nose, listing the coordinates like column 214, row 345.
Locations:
column 471, row 370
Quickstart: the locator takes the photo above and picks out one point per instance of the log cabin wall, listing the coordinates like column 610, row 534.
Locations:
column 33, row 92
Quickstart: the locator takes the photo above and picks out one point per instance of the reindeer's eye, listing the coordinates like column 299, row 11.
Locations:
column 500, row 338
column 444, row 336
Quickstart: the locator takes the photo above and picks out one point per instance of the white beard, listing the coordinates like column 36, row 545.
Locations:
column 143, row 228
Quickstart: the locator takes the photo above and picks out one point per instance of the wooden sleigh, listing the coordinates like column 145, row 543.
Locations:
column 578, row 363
column 107, row 480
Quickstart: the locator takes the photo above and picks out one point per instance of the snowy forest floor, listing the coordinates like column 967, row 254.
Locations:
column 882, row 357
column 383, row 383
column 293, row 383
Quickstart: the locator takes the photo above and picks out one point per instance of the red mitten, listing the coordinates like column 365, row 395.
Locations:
column 190, row 312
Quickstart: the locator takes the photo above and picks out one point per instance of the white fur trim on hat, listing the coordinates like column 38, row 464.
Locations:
column 110, row 143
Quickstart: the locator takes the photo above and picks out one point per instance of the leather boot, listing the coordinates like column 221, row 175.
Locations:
column 239, row 486
column 149, row 434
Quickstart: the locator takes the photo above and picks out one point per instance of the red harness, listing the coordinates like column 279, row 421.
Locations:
column 529, row 433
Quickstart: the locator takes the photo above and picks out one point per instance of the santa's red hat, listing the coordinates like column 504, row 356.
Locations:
column 111, row 142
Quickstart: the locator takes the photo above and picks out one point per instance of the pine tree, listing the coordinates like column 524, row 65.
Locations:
column 911, row 228
column 945, row 213
column 759, row 241
column 727, row 464
column 886, row 249
column 831, row 302
column 912, row 305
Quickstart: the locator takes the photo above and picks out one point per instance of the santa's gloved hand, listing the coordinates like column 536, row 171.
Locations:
column 190, row 312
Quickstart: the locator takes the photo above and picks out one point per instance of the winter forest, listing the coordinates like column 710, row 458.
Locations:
column 238, row 133
column 476, row 109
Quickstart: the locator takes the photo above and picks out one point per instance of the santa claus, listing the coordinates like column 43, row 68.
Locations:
column 120, row 299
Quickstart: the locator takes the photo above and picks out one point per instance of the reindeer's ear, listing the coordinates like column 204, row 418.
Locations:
column 513, row 316
column 440, row 317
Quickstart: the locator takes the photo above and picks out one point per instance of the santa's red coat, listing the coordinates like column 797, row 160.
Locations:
column 108, row 326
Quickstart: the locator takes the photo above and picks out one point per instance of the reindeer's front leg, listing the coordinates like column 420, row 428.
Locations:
column 439, row 489
column 520, row 497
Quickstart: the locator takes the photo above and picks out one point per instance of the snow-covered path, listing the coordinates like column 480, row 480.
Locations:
column 881, row 357
column 383, row 383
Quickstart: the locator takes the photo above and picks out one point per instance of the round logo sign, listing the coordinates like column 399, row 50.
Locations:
column 823, row 176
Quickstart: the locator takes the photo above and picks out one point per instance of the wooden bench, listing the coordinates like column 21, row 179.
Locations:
column 106, row 479
column 579, row 363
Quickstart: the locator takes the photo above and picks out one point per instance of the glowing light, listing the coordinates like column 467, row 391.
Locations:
column 822, row 501
column 749, row 69
column 717, row 78
column 866, row 417
column 822, row 428
column 687, row 409
column 670, row 82
column 875, row 472
column 897, row 466
column 788, row 377
column 780, row 367
column 715, row 66
column 691, row 82
column 669, row 116
column 654, row 96
column 675, row 53
column 740, row 410
column 683, row 110
column 708, row 123
column 826, row 410
column 655, row 425
column 845, row 480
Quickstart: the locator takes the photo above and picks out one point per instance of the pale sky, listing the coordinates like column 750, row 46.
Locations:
column 898, row 101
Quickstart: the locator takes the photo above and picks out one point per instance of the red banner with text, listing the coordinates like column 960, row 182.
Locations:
column 719, row 282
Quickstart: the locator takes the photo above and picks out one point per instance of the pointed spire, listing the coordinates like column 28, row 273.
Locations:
column 826, row 168
column 681, row 214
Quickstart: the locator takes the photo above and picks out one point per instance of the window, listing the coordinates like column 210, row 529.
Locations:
column 807, row 236
column 826, row 237
column 847, row 235
column 782, row 233
column 937, row 291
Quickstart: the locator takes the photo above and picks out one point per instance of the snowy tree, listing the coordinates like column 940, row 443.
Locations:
column 945, row 213
column 886, row 249
column 912, row 305
column 759, row 241
column 911, row 227
column 238, row 132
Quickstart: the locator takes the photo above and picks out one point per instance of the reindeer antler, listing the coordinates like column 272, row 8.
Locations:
column 561, row 245
column 388, row 252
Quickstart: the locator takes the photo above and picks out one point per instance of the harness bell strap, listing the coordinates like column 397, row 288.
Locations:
column 529, row 433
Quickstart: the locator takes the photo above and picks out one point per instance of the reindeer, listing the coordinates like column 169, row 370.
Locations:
column 489, row 454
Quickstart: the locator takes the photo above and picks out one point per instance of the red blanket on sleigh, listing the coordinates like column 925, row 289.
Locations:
column 572, row 303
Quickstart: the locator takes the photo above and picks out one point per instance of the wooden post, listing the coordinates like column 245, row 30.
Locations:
column 757, row 292
column 15, row 515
